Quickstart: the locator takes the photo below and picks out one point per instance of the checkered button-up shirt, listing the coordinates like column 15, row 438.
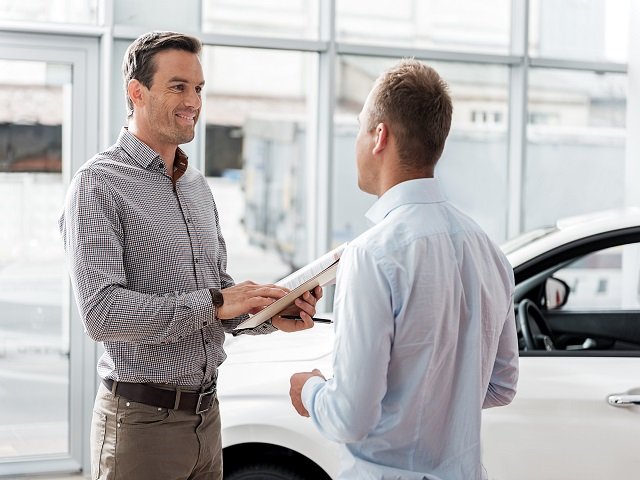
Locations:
column 143, row 252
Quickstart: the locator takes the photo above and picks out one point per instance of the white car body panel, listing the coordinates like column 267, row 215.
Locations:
column 597, row 441
column 260, row 410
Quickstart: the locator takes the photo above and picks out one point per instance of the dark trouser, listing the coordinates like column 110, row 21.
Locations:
column 135, row 441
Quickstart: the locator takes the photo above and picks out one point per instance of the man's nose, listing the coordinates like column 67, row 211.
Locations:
column 193, row 98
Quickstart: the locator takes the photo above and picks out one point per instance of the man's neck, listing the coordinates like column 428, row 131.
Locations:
column 399, row 175
column 166, row 151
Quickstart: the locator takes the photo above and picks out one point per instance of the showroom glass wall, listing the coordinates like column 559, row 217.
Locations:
column 540, row 93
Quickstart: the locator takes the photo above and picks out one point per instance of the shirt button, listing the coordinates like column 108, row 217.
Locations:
column 188, row 220
column 197, row 260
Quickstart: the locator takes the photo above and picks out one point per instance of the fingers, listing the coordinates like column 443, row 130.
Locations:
column 306, row 320
column 298, row 405
column 306, row 303
column 295, row 392
column 291, row 325
column 248, row 297
column 317, row 292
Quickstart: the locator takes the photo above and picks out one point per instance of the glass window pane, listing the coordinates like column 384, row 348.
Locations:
column 473, row 167
column 575, row 144
column 460, row 25
column 34, row 334
column 604, row 280
column 594, row 30
column 60, row 11
column 158, row 15
column 270, row 18
column 257, row 104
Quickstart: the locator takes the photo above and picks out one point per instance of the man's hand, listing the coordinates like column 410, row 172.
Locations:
column 248, row 297
column 295, row 392
column 304, row 307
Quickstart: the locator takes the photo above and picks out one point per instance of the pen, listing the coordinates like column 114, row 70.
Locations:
column 315, row 319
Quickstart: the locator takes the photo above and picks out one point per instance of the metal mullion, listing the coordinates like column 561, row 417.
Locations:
column 518, row 102
column 632, row 147
column 66, row 29
column 599, row 67
column 274, row 43
column 82, row 55
column 320, row 242
column 424, row 54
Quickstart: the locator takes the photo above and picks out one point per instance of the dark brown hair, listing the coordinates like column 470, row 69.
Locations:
column 138, row 60
column 414, row 102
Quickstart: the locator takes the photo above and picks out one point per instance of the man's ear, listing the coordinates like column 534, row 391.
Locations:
column 135, row 91
column 381, row 138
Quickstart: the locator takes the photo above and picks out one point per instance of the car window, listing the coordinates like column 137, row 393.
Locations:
column 608, row 279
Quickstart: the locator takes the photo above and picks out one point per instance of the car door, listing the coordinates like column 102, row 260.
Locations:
column 571, row 418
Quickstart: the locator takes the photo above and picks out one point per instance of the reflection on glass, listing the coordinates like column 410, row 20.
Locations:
column 473, row 167
column 575, row 144
column 269, row 18
column 604, row 280
column 460, row 25
column 34, row 349
column 60, row 11
column 256, row 154
column 30, row 117
column 594, row 30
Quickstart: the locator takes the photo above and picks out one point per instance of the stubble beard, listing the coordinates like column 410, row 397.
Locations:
column 179, row 135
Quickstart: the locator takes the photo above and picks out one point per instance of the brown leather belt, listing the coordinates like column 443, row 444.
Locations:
column 198, row 402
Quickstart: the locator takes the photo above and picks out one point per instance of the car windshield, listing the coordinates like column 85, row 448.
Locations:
column 526, row 238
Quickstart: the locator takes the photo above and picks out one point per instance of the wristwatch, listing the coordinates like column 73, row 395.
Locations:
column 216, row 297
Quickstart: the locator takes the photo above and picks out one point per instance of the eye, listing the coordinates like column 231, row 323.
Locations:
column 199, row 90
column 178, row 88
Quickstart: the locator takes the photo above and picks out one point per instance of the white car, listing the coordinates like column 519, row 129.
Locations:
column 577, row 411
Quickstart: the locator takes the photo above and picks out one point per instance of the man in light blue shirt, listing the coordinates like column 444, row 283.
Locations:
column 424, row 319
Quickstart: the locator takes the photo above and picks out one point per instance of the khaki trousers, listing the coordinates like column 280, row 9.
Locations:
column 135, row 441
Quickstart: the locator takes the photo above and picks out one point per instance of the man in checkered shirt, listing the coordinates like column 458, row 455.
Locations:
column 148, row 267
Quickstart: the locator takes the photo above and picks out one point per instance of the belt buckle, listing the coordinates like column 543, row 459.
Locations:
column 201, row 396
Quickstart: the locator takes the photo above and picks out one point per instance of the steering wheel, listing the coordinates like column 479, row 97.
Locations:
column 529, row 312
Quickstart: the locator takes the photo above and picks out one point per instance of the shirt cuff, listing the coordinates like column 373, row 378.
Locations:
column 201, row 307
column 309, row 390
column 262, row 329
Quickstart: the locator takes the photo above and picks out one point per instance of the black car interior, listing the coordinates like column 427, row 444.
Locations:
column 545, row 328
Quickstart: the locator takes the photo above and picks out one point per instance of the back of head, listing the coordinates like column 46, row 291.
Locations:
column 414, row 102
column 138, row 61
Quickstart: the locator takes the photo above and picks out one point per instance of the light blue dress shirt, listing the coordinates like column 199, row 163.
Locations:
column 425, row 338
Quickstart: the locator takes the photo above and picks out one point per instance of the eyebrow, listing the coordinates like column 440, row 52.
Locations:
column 182, row 80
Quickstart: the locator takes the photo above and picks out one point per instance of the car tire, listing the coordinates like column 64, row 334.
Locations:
column 263, row 472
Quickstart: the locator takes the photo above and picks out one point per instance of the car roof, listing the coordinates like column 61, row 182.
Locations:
column 567, row 230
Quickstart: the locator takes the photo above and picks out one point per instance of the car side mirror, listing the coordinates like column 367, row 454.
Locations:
column 556, row 293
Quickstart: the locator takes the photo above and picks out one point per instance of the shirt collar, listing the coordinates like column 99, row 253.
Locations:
column 146, row 156
column 421, row 190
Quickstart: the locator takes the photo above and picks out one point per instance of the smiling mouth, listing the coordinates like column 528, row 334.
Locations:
column 188, row 118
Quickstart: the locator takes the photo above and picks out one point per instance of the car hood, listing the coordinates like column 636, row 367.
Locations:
column 307, row 345
column 270, row 360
